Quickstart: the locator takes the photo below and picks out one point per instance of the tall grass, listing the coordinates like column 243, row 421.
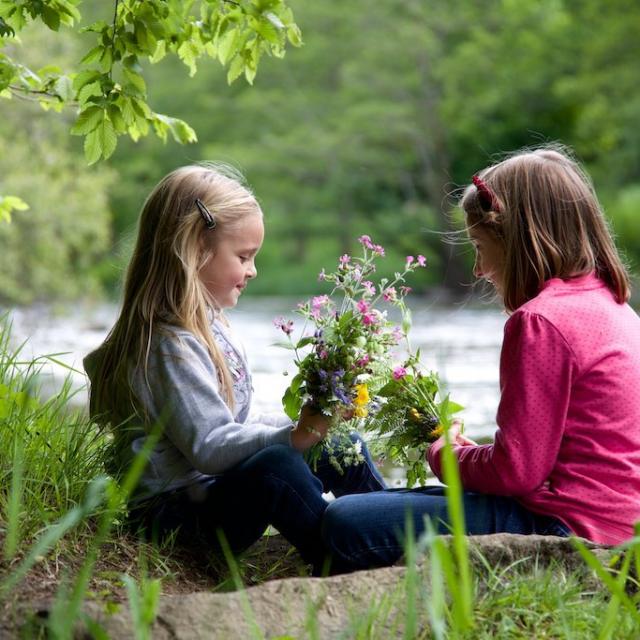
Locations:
column 48, row 453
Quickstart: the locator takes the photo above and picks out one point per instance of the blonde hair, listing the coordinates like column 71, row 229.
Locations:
column 162, row 284
column 548, row 218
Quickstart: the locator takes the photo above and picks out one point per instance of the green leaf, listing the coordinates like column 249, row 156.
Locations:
column 101, row 142
column 188, row 52
column 92, row 55
column 135, row 80
column 50, row 17
column 235, row 69
column 8, row 204
column 87, row 121
column 64, row 88
column 292, row 403
column 88, row 91
column 228, row 45
column 92, row 147
column 85, row 77
column 159, row 53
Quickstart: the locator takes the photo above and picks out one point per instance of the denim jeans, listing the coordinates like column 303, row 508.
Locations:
column 369, row 530
column 273, row 487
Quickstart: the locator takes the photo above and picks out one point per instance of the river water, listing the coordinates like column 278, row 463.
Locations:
column 461, row 342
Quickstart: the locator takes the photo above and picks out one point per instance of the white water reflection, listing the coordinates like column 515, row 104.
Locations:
column 462, row 343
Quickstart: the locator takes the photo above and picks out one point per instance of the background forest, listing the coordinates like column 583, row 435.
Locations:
column 369, row 127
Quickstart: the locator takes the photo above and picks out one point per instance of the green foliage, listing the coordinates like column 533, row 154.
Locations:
column 9, row 204
column 48, row 453
column 108, row 87
column 410, row 419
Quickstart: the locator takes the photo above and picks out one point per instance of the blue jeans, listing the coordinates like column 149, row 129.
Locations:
column 369, row 530
column 273, row 487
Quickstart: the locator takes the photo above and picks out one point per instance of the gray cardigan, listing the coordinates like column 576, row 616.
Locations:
column 202, row 437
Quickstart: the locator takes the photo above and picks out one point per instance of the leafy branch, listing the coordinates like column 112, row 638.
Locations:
column 108, row 88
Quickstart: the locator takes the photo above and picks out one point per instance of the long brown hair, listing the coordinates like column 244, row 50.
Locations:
column 162, row 285
column 548, row 218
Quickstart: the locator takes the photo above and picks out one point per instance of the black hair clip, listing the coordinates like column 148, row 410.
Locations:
column 206, row 214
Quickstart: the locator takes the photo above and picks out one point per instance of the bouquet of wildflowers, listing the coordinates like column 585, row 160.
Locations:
column 409, row 418
column 344, row 355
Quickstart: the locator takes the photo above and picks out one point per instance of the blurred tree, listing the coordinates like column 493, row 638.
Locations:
column 50, row 252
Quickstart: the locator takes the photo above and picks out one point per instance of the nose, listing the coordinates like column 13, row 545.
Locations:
column 477, row 269
column 252, row 272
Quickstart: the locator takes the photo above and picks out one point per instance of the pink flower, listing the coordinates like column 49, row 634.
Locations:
column 399, row 373
column 324, row 354
column 363, row 306
column 320, row 301
column 369, row 287
column 410, row 260
column 345, row 260
column 422, row 261
column 405, row 291
column 398, row 334
column 390, row 294
column 365, row 241
column 378, row 249
column 364, row 361
column 369, row 318
column 322, row 276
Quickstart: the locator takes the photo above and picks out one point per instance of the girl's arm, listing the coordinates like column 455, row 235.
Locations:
column 183, row 383
column 537, row 369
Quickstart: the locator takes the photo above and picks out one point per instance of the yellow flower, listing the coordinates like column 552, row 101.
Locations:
column 438, row 431
column 362, row 396
column 360, row 412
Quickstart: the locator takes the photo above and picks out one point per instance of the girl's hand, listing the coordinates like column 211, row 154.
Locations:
column 455, row 437
column 311, row 428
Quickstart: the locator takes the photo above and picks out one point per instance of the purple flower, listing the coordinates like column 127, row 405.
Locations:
column 422, row 261
column 399, row 373
column 322, row 276
column 369, row 318
column 410, row 260
column 341, row 395
column 405, row 291
column 378, row 249
column 345, row 260
column 364, row 361
column 284, row 325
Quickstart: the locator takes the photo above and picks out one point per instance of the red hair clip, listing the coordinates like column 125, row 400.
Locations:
column 487, row 198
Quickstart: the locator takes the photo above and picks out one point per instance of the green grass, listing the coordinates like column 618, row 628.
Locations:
column 59, row 507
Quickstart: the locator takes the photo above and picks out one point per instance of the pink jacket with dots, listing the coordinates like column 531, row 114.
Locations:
column 568, row 439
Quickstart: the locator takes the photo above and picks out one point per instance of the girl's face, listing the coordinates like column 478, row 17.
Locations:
column 226, row 273
column 490, row 256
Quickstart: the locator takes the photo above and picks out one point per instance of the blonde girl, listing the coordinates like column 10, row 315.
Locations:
column 172, row 359
column 566, row 455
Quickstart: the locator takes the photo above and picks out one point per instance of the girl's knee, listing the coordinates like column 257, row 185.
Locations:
column 339, row 520
column 276, row 459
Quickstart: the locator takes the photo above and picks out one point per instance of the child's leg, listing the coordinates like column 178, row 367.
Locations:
column 368, row 530
column 359, row 478
column 275, row 486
